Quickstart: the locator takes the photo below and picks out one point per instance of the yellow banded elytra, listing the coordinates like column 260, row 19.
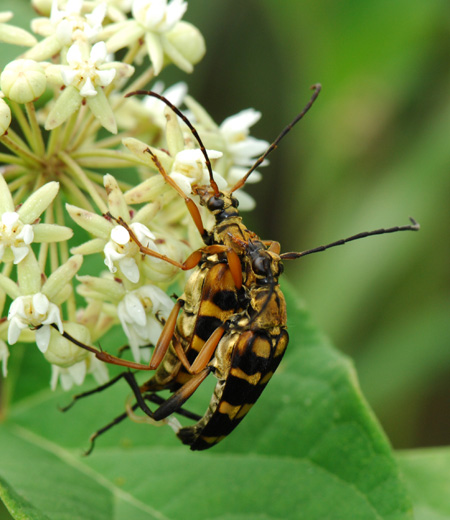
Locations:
column 230, row 321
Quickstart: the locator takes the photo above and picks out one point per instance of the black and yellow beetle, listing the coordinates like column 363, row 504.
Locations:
column 230, row 321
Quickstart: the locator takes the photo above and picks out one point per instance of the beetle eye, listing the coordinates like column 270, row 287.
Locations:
column 214, row 204
column 234, row 202
column 261, row 265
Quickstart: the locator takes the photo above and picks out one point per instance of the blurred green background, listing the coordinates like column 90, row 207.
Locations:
column 373, row 151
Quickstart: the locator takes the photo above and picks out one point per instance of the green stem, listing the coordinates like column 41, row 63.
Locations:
column 81, row 176
column 69, row 129
column 13, row 142
column 36, row 141
column 89, row 127
column 20, row 194
column 53, row 141
column 19, row 182
column 111, row 141
column 19, row 116
column 10, row 159
column 74, row 194
column 139, row 83
column 64, row 256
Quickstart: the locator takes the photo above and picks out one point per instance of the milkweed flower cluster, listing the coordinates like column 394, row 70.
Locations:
column 74, row 162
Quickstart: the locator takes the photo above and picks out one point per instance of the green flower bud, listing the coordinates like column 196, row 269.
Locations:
column 188, row 41
column 64, row 353
column 23, row 80
column 42, row 7
column 5, row 116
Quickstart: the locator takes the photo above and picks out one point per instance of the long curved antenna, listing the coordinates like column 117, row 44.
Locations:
column 414, row 226
column 317, row 88
column 180, row 114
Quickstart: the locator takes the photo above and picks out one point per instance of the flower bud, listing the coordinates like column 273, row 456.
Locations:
column 64, row 353
column 23, row 80
column 188, row 41
column 42, row 7
column 5, row 116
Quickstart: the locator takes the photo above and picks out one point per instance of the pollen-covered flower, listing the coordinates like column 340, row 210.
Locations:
column 18, row 229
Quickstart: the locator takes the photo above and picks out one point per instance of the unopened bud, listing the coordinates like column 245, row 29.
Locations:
column 188, row 41
column 23, row 80
column 5, row 116
column 61, row 351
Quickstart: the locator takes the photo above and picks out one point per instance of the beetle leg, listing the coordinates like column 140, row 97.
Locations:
column 157, row 399
column 177, row 399
column 190, row 204
column 207, row 351
column 103, row 356
column 205, row 354
column 100, row 388
column 166, row 336
column 105, row 428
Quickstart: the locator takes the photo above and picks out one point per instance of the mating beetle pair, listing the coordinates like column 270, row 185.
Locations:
column 230, row 321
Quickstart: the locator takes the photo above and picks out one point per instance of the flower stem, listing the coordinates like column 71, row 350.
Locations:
column 19, row 148
column 36, row 141
column 19, row 116
column 79, row 174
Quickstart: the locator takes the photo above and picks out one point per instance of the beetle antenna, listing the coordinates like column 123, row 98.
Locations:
column 317, row 88
column 180, row 114
column 414, row 226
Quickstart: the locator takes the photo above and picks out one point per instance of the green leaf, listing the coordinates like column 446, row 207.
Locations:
column 427, row 477
column 310, row 449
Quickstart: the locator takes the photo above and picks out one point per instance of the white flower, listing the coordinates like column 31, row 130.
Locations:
column 4, row 355
column 69, row 24
column 235, row 130
column 157, row 15
column 123, row 250
column 86, row 74
column 75, row 374
column 189, row 168
column 159, row 24
column 64, row 27
column 18, row 229
column 16, row 235
column 33, row 311
column 140, row 314
column 69, row 376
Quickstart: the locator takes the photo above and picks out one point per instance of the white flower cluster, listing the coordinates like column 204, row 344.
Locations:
column 71, row 68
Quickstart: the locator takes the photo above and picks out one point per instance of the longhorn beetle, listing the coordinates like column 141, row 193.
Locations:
column 231, row 319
